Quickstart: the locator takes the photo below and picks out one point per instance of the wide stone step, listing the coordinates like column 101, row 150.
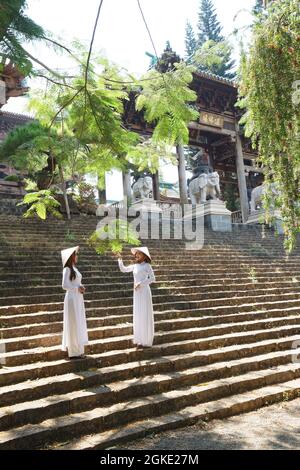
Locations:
column 86, row 422
column 168, row 320
column 163, row 333
column 110, row 289
column 95, row 276
column 98, row 392
column 210, row 362
column 159, row 302
column 162, row 280
column 186, row 341
column 11, row 376
column 159, row 295
column 216, row 409
column 111, row 266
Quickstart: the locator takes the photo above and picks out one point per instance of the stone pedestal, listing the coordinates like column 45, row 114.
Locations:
column 258, row 217
column 216, row 216
column 147, row 208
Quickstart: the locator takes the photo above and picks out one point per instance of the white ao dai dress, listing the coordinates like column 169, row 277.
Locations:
column 75, row 334
column 143, row 318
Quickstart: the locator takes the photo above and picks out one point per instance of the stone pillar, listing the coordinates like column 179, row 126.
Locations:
column 182, row 175
column 240, row 167
column 126, row 184
column 155, row 183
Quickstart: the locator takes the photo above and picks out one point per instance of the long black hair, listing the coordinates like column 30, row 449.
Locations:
column 69, row 264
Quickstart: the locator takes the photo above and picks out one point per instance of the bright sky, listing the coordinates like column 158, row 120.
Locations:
column 122, row 35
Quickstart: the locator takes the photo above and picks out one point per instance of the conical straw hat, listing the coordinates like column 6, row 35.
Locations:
column 65, row 254
column 143, row 249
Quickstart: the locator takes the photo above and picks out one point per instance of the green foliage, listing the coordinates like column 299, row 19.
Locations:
column 268, row 91
column 230, row 197
column 14, row 178
column 258, row 7
column 16, row 146
column 190, row 43
column 112, row 237
column 209, row 28
column 30, row 185
column 16, row 29
column 148, row 155
column 85, row 197
column 213, row 51
column 41, row 203
column 214, row 57
column 166, row 99
column 70, row 236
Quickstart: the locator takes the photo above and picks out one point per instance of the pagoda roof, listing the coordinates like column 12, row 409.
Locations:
column 8, row 121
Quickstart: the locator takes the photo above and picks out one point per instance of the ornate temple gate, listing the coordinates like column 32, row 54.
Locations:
column 218, row 136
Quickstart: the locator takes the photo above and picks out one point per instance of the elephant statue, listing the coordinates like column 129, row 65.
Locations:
column 203, row 187
column 257, row 195
column 142, row 188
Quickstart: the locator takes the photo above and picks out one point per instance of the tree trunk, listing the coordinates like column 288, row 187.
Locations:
column 182, row 175
column 102, row 196
column 155, row 183
column 64, row 188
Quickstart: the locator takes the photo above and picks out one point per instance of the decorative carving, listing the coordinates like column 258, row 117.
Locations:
column 143, row 189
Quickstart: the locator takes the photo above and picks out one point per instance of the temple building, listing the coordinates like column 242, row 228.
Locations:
column 216, row 141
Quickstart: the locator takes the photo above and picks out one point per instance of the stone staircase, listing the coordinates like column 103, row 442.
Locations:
column 227, row 324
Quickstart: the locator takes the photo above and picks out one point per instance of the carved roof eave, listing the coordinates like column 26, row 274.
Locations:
column 215, row 78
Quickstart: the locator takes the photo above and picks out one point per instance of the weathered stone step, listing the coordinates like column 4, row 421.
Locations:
column 167, row 246
column 11, row 376
column 209, row 370
column 164, row 332
column 94, row 276
column 248, row 250
column 168, row 319
column 186, row 341
column 88, row 253
column 109, row 288
column 106, row 393
column 159, row 302
column 162, row 282
column 117, row 297
column 167, row 286
column 196, row 270
column 86, row 422
column 216, row 409
column 206, row 263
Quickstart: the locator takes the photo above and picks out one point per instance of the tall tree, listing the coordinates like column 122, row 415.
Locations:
column 270, row 93
column 258, row 7
column 215, row 57
column 211, row 40
column 209, row 27
column 190, row 43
